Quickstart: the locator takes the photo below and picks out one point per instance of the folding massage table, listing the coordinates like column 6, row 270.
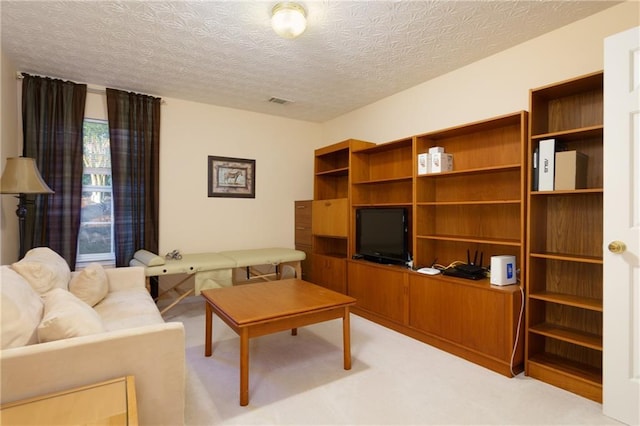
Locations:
column 216, row 269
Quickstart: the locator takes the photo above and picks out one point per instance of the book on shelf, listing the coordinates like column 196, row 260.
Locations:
column 546, row 164
column 536, row 174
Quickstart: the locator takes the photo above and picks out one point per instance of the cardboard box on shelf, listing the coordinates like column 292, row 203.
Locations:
column 571, row 170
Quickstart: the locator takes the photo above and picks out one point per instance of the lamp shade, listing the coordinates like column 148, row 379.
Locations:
column 288, row 19
column 21, row 176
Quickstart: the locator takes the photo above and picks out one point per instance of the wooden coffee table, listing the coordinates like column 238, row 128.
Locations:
column 254, row 310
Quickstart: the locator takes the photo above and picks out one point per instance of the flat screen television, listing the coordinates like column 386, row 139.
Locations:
column 382, row 235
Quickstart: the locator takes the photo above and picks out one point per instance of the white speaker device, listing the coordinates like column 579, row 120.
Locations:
column 503, row 270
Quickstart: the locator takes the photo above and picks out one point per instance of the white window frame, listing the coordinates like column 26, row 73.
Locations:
column 106, row 259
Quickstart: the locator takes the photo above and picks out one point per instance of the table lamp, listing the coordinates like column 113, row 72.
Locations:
column 21, row 177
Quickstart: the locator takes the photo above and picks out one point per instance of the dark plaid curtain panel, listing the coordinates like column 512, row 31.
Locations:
column 134, row 133
column 52, row 117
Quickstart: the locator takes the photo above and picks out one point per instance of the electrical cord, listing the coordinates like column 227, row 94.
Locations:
column 451, row 265
column 515, row 344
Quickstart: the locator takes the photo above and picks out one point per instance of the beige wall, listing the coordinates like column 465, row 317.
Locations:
column 283, row 149
column 490, row 87
column 9, row 147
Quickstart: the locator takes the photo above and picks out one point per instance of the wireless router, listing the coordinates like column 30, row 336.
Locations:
column 470, row 270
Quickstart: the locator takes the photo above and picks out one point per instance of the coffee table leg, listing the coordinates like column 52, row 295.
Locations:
column 244, row 366
column 208, row 329
column 346, row 338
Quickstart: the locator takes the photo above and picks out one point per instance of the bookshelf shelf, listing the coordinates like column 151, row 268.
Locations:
column 386, row 180
column 588, row 340
column 568, row 257
column 467, row 203
column 343, row 171
column 569, row 300
column 580, row 133
column 568, row 191
column 474, row 240
column 473, row 171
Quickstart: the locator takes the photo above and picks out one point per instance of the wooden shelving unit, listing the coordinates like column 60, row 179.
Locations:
column 480, row 205
column 382, row 176
column 330, row 226
column 565, row 238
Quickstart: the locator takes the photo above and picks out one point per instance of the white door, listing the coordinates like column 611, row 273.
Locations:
column 621, row 359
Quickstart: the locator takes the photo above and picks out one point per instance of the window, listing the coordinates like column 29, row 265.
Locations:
column 95, row 240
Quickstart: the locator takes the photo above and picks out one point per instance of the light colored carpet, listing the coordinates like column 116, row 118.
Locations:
column 394, row 380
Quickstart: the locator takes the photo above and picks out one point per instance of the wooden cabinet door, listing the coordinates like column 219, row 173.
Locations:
column 436, row 307
column 329, row 272
column 486, row 322
column 330, row 217
column 378, row 289
column 477, row 318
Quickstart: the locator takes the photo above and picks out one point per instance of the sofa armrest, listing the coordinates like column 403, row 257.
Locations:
column 154, row 354
column 125, row 278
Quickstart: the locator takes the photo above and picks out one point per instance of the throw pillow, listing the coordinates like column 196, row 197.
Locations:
column 90, row 285
column 21, row 310
column 44, row 269
column 67, row 316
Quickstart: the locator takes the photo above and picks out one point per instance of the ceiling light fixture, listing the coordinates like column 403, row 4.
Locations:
column 288, row 19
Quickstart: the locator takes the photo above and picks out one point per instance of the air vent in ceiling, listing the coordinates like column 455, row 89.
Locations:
column 279, row 101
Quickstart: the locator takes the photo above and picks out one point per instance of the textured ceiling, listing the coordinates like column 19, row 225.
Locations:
column 225, row 52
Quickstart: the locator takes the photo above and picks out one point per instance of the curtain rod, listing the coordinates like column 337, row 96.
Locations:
column 20, row 76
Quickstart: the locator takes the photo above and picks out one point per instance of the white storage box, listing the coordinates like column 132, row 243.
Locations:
column 424, row 164
column 441, row 162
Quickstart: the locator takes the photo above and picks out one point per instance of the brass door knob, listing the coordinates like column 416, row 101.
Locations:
column 617, row 247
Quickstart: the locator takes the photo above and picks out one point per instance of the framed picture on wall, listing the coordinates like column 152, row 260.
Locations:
column 231, row 177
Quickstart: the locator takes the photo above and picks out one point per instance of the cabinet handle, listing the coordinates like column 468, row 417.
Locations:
column 301, row 207
column 327, row 203
column 617, row 247
column 301, row 228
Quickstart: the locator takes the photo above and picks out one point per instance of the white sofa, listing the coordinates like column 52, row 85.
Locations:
column 51, row 342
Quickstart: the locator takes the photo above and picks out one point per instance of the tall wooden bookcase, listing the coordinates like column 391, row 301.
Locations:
column 565, row 244
column 330, row 225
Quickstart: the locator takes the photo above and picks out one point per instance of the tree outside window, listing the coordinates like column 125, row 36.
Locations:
column 95, row 239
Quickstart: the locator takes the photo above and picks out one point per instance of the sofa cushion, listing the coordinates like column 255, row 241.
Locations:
column 127, row 309
column 67, row 316
column 90, row 285
column 21, row 310
column 44, row 269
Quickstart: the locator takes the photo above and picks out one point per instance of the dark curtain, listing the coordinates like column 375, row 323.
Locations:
column 52, row 118
column 134, row 132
